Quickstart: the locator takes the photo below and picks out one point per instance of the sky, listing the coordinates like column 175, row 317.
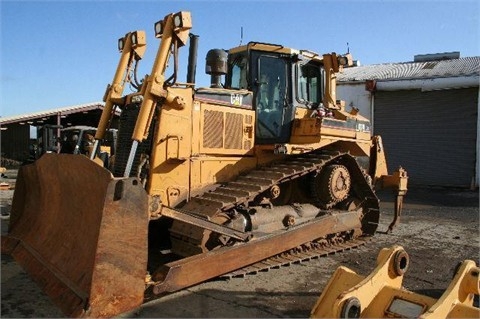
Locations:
column 62, row 53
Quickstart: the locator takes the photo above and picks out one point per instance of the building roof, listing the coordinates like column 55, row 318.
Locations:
column 462, row 67
column 81, row 108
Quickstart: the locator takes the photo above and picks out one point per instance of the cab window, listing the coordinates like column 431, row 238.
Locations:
column 309, row 84
column 238, row 72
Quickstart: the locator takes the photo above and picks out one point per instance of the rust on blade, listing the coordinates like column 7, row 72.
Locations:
column 70, row 225
column 8, row 245
column 118, row 282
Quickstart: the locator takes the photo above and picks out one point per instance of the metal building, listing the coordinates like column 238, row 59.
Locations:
column 15, row 130
column 427, row 112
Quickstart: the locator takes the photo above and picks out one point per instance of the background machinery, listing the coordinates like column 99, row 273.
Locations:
column 225, row 177
column 76, row 139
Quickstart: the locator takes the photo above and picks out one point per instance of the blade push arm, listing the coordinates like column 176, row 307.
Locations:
column 132, row 47
column 173, row 30
column 333, row 64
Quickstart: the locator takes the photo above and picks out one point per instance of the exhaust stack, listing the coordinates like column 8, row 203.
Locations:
column 192, row 58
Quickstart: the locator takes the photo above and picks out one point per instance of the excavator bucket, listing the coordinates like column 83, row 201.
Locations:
column 81, row 234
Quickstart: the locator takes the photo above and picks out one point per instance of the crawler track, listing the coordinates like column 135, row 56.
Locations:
column 246, row 188
column 326, row 232
column 296, row 256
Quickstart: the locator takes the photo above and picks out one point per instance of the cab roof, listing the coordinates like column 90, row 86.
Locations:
column 277, row 48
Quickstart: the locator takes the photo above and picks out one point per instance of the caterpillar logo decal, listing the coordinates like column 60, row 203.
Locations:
column 236, row 99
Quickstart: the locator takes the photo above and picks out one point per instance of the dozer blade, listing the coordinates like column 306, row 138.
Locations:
column 192, row 270
column 81, row 235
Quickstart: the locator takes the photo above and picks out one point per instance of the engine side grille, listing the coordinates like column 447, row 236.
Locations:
column 233, row 131
column 127, row 122
column 213, row 129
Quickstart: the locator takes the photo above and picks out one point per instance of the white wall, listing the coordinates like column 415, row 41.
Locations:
column 355, row 95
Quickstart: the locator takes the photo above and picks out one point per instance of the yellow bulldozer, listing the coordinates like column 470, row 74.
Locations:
column 263, row 167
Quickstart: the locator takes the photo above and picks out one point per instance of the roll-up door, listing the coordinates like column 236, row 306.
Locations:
column 431, row 134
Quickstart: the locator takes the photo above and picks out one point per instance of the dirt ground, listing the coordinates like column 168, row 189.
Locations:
column 438, row 229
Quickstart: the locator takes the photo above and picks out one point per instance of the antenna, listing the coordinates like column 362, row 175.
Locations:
column 241, row 35
column 348, row 48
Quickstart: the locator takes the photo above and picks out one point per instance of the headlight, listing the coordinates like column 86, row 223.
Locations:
column 345, row 60
column 138, row 39
column 182, row 20
column 342, row 60
column 177, row 21
column 121, row 44
column 159, row 29
column 134, row 38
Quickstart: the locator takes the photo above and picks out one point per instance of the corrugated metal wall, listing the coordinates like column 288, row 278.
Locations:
column 431, row 134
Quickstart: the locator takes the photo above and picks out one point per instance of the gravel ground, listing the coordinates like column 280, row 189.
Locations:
column 438, row 229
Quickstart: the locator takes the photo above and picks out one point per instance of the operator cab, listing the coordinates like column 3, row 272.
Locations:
column 281, row 80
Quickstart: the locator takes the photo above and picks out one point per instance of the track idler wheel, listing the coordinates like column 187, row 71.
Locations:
column 281, row 194
column 331, row 185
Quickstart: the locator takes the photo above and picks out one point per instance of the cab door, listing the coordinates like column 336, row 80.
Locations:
column 272, row 99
